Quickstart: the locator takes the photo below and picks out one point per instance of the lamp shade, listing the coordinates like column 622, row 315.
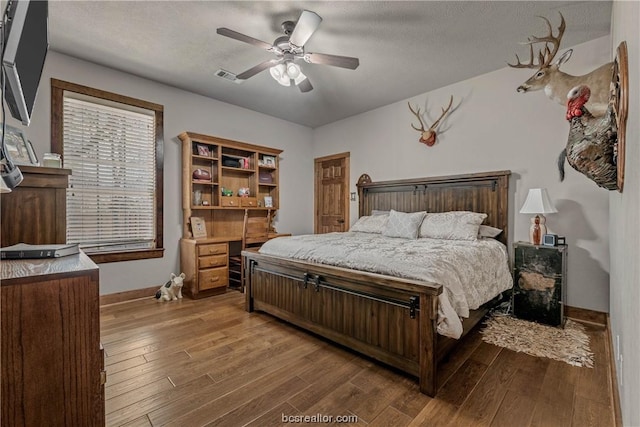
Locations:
column 3, row 187
column 538, row 202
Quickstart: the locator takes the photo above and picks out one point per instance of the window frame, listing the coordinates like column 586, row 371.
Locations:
column 58, row 87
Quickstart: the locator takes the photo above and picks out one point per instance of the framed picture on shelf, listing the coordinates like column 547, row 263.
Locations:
column 268, row 201
column 19, row 147
column 203, row 150
column 269, row 161
column 198, row 227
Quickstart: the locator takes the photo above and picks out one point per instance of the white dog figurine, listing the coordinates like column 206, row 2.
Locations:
column 172, row 290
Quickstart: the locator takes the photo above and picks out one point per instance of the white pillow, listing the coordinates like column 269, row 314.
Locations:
column 488, row 231
column 402, row 224
column 370, row 224
column 377, row 212
column 455, row 225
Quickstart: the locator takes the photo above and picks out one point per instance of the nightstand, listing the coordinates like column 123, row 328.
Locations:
column 540, row 283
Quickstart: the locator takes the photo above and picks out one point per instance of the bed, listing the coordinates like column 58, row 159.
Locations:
column 392, row 316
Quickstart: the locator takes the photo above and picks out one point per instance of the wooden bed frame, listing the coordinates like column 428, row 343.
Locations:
column 390, row 319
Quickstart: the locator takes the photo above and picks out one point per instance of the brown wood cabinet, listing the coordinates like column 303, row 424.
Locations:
column 52, row 361
column 35, row 212
column 216, row 175
column 205, row 263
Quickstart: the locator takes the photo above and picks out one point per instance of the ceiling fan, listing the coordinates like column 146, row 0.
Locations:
column 289, row 49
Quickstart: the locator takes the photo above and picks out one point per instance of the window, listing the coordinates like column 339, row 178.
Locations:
column 113, row 146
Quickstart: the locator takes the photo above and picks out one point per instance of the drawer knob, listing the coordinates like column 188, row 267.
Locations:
column 215, row 279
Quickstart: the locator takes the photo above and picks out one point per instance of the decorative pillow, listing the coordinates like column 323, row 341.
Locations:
column 456, row 225
column 370, row 224
column 375, row 212
column 402, row 224
column 488, row 231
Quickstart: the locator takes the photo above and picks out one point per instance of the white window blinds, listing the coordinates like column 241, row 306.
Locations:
column 111, row 153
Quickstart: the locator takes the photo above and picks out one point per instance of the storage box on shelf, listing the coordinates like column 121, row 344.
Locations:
column 221, row 178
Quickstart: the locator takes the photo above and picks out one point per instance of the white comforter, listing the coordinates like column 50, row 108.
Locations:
column 471, row 272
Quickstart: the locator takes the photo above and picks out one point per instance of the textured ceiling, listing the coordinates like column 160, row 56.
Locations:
column 405, row 48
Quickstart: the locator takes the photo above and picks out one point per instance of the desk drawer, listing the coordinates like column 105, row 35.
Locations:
column 230, row 201
column 213, row 278
column 212, row 249
column 213, row 261
column 248, row 202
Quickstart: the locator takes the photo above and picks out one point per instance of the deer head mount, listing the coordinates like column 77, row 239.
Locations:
column 428, row 136
column 557, row 84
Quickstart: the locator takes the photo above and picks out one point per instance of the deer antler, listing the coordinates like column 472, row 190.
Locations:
column 444, row 111
column 546, row 55
column 417, row 114
column 428, row 136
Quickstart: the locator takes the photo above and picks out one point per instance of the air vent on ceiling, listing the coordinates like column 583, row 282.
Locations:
column 228, row 75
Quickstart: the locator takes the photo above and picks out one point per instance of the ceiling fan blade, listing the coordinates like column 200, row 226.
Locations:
column 244, row 38
column 305, row 85
column 305, row 27
column 260, row 67
column 335, row 60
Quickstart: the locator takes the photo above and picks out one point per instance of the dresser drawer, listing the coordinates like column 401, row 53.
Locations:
column 212, row 249
column 248, row 202
column 212, row 261
column 213, row 278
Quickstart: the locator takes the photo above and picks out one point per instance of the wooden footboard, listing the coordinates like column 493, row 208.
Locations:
column 391, row 320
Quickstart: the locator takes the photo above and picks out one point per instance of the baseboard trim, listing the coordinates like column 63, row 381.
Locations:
column 617, row 409
column 586, row 315
column 128, row 295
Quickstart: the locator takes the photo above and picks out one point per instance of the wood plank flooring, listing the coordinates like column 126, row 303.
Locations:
column 208, row 362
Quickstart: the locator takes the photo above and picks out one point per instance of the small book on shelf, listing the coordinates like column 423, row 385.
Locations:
column 27, row 251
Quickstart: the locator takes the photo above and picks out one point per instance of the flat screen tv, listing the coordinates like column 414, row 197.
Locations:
column 25, row 50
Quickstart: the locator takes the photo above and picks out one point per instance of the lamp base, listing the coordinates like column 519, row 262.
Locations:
column 538, row 229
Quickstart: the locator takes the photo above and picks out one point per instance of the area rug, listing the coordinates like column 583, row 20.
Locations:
column 569, row 345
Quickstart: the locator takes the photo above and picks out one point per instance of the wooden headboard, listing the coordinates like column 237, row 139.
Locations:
column 486, row 192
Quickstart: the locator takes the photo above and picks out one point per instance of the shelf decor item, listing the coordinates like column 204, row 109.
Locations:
column 203, row 150
column 198, row 227
column 202, row 174
column 539, row 203
column 268, row 202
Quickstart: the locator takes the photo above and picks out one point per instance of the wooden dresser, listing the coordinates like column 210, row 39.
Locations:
column 52, row 364
column 35, row 211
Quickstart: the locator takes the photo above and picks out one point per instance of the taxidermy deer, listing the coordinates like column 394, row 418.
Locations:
column 557, row 84
column 428, row 136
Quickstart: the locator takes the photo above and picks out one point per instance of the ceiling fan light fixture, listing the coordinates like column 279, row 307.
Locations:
column 277, row 71
column 293, row 70
column 300, row 78
column 279, row 74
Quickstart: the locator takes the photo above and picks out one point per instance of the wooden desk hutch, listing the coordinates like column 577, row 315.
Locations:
column 228, row 167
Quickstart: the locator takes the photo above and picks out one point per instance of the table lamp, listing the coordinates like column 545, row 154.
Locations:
column 539, row 203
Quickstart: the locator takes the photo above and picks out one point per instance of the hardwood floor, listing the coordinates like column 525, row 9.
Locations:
column 208, row 362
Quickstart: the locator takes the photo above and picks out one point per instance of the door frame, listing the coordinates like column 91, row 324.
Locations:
column 346, row 179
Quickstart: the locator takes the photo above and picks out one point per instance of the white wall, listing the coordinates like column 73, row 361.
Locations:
column 624, row 227
column 183, row 111
column 493, row 128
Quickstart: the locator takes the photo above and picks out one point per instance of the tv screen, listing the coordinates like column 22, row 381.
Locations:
column 26, row 45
